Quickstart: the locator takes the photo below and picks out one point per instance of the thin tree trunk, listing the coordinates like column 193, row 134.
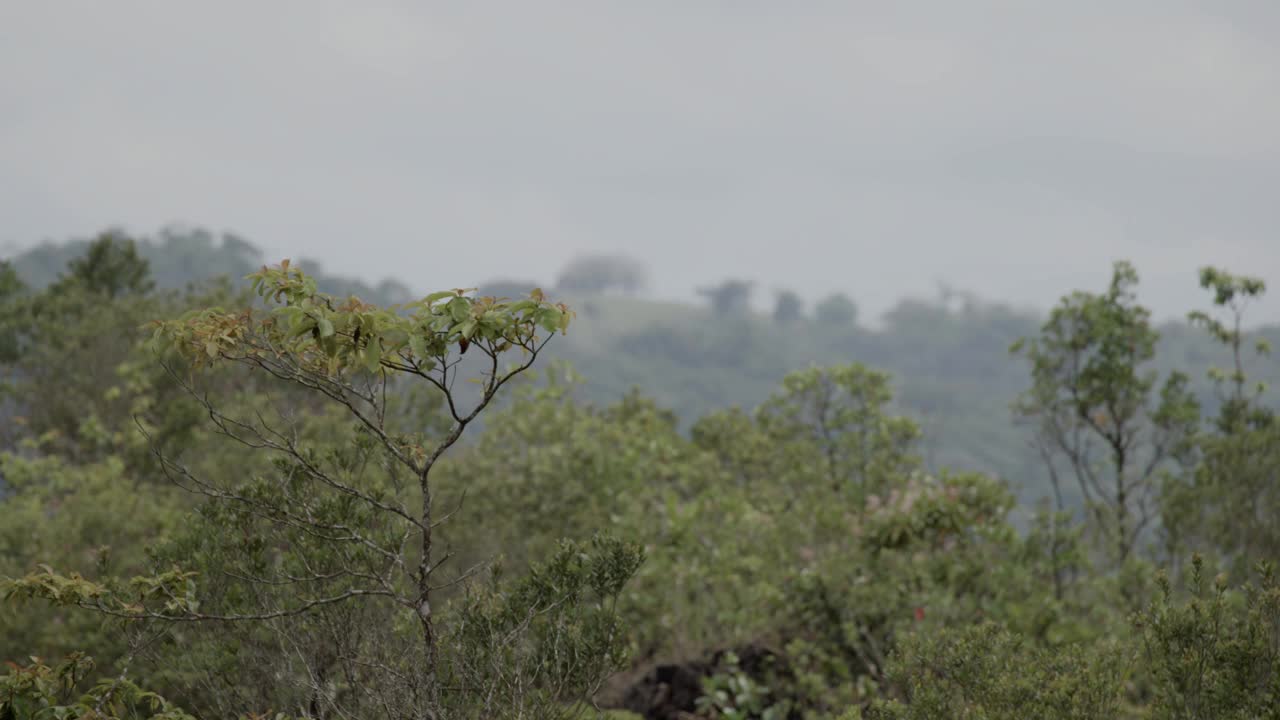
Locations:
column 1122, row 507
column 428, row 692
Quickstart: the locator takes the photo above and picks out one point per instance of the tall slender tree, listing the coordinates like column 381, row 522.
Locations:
column 1095, row 403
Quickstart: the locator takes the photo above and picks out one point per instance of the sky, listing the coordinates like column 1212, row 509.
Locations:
column 1010, row 148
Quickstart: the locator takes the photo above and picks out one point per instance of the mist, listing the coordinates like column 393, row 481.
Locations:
column 1013, row 150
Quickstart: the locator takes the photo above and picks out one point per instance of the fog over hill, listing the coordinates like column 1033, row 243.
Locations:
column 947, row 354
column 1011, row 149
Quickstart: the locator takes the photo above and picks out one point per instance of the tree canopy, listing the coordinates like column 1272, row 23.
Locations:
column 269, row 499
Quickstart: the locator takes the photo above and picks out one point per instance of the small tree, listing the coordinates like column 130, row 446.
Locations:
column 984, row 671
column 1233, row 293
column 788, row 308
column 112, row 266
column 836, row 311
column 1215, row 655
column 332, row 557
column 1093, row 403
column 593, row 274
column 842, row 414
column 731, row 297
column 1229, row 500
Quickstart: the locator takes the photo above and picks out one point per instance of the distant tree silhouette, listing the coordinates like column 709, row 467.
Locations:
column 594, row 274
column 731, row 297
column 836, row 310
column 788, row 308
column 512, row 289
column 111, row 266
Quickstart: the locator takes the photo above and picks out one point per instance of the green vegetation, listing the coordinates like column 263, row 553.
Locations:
column 277, row 499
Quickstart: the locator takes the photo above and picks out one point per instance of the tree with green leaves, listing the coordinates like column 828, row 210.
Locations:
column 567, row 468
column 843, row 412
column 1214, row 653
column 1094, row 403
column 111, row 267
column 984, row 672
column 1228, row 500
column 79, row 490
column 326, row 565
column 66, row 343
column 38, row 690
column 1239, row 404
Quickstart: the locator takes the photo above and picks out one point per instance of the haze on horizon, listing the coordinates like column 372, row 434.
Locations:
column 1010, row 149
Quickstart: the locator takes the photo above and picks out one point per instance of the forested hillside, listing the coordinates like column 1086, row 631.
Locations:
column 948, row 357
column 178, row 257
column 281, row 497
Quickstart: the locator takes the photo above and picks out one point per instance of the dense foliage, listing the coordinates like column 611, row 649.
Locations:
column 274, row 501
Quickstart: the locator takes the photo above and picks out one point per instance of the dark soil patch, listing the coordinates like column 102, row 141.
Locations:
column 670, row 691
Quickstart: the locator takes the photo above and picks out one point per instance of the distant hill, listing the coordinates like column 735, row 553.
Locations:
column 951, row 367
column 180, row 256
column 949, row 358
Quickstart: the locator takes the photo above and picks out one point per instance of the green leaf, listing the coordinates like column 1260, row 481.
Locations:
column 304, row 325
column 373, row 357
column 436, row 297
column 418, row 345
column 459, row 309
column 326, row 327
column 549, row 319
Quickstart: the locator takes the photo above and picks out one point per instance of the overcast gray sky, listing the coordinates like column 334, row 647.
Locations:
column 1013, row 148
